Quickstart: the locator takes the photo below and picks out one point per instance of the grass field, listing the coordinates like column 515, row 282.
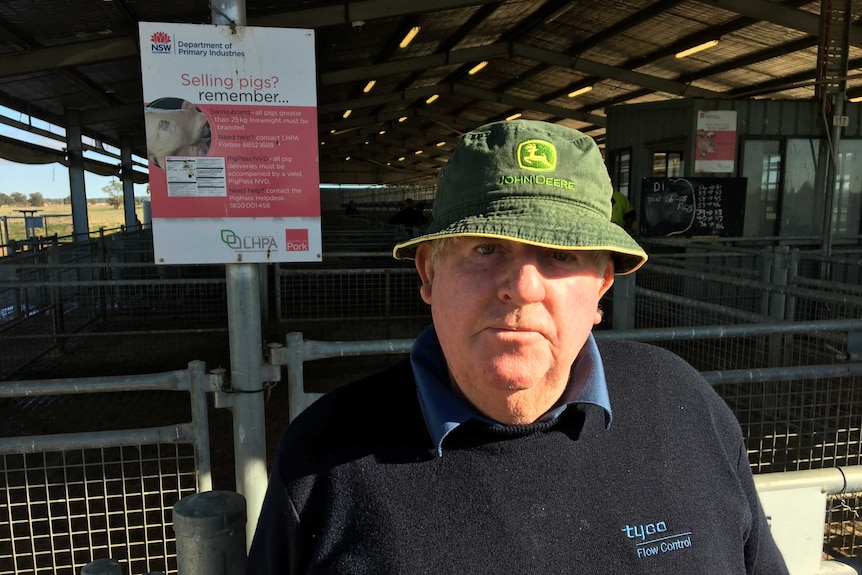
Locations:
column 57, row 219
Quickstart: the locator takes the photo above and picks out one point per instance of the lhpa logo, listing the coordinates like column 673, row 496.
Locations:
column 248, row 243
column 537, row 156
column 160, row 43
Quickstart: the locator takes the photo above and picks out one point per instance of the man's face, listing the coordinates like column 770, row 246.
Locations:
column 511, row 319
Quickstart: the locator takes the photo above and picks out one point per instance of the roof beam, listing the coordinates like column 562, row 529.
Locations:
column 525, row 104
column 781, row 15
column 382, row 99
column 68, row 56
column 612, row 72
column 505, row 49
column 349, row 12
column 490, row 51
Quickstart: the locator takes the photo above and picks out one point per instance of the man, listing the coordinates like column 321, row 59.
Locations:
column 511, row 443
column 623, row 212
column 409, row 215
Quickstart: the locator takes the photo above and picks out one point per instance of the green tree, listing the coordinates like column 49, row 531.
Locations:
column 37, row 200
column 115, row 193
column 5, row 200
column 18, row 199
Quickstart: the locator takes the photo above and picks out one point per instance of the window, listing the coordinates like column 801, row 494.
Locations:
column 667, row 164
column 801, row 207
column 620, row 170
column 761, row 165
column 847, row 203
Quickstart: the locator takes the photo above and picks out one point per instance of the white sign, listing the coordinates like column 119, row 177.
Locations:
column 231, row 123
column 715, row 141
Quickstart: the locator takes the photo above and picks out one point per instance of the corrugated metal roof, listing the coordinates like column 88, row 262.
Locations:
column 83, row 55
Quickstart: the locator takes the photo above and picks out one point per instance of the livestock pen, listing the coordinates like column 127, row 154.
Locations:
column 778, row 339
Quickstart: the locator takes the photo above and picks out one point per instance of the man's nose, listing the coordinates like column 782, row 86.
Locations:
column 523, row 282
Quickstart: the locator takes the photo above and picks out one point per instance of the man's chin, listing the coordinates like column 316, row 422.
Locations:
column 515, row 376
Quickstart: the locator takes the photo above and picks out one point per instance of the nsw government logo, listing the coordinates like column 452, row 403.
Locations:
column 160, row 43
column 296, row 240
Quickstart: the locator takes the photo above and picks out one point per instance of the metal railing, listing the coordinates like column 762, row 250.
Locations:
column 71, row 498
column 730, row 312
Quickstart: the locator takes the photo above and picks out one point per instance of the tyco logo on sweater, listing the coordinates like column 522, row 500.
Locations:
column 655, row 539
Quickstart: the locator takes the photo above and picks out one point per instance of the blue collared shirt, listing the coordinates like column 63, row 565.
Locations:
column 444, row 411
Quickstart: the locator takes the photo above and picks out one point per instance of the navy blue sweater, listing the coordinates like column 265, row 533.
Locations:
column 357, row 487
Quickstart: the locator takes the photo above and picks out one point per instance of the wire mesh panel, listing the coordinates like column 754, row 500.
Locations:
column 843, row 530
column 112, row 310
column 90, row 468
column 806, row 423
column 65, row 509
column 108, row 289
column 799, row 424
column 352, row 303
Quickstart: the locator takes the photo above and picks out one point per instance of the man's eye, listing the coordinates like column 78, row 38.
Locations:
column 485, row 249
column 562, row 256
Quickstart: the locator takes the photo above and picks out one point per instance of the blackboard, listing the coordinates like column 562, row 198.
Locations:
column 692, row 206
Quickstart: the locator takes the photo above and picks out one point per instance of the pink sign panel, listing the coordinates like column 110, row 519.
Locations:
column 231, row 131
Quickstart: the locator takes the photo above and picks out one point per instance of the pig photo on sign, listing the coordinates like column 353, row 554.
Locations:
column 175, row 128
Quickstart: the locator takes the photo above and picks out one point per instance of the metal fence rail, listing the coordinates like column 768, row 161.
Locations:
column 774, row 337
column 53, row 300
column 72, row 498
column 384, row 301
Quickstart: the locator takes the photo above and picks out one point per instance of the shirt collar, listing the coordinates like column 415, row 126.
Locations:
column 444, row 411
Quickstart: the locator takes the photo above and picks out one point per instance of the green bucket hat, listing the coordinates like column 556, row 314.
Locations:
column 532, row 182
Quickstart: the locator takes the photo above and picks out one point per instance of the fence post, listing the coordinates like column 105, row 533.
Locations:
column 778, row 302
column 211, row 534
column 246, row 360
column 295, row 384
column 764, row 264
column 780, row 273
column 624, row 302
column 102, row 567
column 58, row 318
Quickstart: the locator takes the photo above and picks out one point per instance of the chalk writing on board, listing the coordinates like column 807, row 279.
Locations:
column 670, row 207
column 692, row 206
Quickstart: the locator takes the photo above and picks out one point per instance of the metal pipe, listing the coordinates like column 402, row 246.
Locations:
column 211, row 534
column 102, row 567
column 294, row 354
column 182, row 433
column 832, row 480
column 178, row 380
column 246, row 358
column 200, row 424
column 843, row 566
column 738, row 330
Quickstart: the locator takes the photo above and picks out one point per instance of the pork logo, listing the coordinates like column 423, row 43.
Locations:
column 537, row 156
column 296, row 240
column 160, row 43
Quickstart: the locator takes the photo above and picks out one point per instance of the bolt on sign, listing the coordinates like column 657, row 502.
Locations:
column 231, row 127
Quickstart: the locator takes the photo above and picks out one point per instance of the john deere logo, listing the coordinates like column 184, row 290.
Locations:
column 537, row 155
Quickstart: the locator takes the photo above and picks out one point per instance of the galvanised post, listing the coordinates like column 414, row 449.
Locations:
column 246, row 358
column 211, row 533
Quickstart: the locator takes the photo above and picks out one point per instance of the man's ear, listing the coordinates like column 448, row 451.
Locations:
column 607, row 278
column 426, row 271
